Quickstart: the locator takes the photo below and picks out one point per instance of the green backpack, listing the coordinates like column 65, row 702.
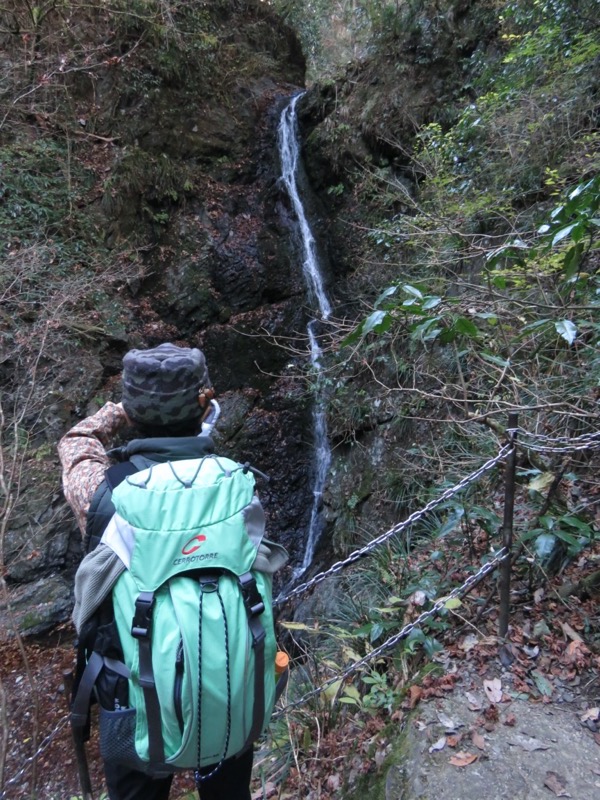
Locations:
column 194, row 620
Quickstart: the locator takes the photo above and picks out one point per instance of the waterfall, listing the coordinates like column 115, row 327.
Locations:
column 289, row 152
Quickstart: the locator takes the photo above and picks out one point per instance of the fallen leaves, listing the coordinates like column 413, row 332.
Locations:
column 570, row 633
column 557, row 784
column 529, row 743
column 463, row 759
column 413, row 696
column 448, row 722
column 541, row 662
column 478, row 740
column 576, row 655
column 493, row 690
column 265, row 792
column 491, row 715
column 591, row 715
column 438, row 685
column 469, row 642
column 333, row 782
column 474, row 702
column 543, row 685
column 507, row 655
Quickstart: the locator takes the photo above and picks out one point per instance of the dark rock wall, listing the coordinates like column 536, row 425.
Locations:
column 190, row 191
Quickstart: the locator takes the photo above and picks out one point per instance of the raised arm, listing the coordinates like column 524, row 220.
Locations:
column 82, row 452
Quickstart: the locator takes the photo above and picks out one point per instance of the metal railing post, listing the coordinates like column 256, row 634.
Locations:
column 507, row 525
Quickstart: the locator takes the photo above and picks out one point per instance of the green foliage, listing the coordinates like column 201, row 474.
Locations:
column 336, row 190
column 378, row 695
column 568, row 528
column 183, row 37
column 57, row 284
column 38, row 197
column 529, row 120
column 64, row 51
column 443, row 325
column 555, row 260
column 575, row 223
column 305, row 18
column 561, row 250
column 55, row 263
column 494, row 254
column 157, row 181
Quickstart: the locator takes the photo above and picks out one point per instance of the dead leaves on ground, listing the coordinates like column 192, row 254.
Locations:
column 453, row 737
column 557, row 784
column 431, row 686
column 487, row 721
column 463, row 759
column 493, row 690
column 541, row 662
column 469, row 745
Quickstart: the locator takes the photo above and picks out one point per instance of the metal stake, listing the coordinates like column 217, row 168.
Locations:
column 507, row 525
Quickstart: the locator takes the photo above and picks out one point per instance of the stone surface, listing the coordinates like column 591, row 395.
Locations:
column 544, row 744
column 35, row 608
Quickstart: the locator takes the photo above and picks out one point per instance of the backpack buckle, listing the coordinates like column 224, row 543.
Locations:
column 209, row 582
column 253, row 601
column 142, row 619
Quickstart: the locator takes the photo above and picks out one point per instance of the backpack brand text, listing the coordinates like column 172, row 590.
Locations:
column 191, row 559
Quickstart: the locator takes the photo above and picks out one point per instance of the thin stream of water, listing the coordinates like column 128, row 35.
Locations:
column 289, row 151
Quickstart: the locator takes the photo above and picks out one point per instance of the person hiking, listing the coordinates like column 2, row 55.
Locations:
column 167, row 398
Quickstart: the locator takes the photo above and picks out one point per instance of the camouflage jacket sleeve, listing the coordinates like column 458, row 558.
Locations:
column 83, row 456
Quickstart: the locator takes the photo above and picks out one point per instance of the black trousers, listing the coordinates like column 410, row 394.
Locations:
column 231, row 782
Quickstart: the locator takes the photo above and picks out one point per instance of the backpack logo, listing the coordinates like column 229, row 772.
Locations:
column 193, row 545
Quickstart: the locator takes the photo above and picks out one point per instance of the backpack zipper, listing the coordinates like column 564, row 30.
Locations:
column 179, row 666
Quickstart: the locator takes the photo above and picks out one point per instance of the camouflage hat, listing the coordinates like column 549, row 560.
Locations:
column 160, row 386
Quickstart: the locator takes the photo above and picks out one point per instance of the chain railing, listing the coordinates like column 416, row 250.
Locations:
column 584, row 437
column 44, row 745
column 398, row 528
column 560, row 444
column 540, row 443
column 402, row 634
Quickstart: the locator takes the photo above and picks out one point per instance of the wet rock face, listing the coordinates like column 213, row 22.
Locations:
column 270, row 432
column 196, row 193
column 234, row 255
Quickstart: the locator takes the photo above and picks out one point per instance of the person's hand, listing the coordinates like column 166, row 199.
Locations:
column 127, row 420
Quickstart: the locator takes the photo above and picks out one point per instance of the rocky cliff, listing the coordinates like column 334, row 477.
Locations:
column 141, row 204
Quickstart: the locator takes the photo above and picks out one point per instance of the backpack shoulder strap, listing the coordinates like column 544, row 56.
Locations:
column 254, row 605
column 101, row 507
column 118, row 472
